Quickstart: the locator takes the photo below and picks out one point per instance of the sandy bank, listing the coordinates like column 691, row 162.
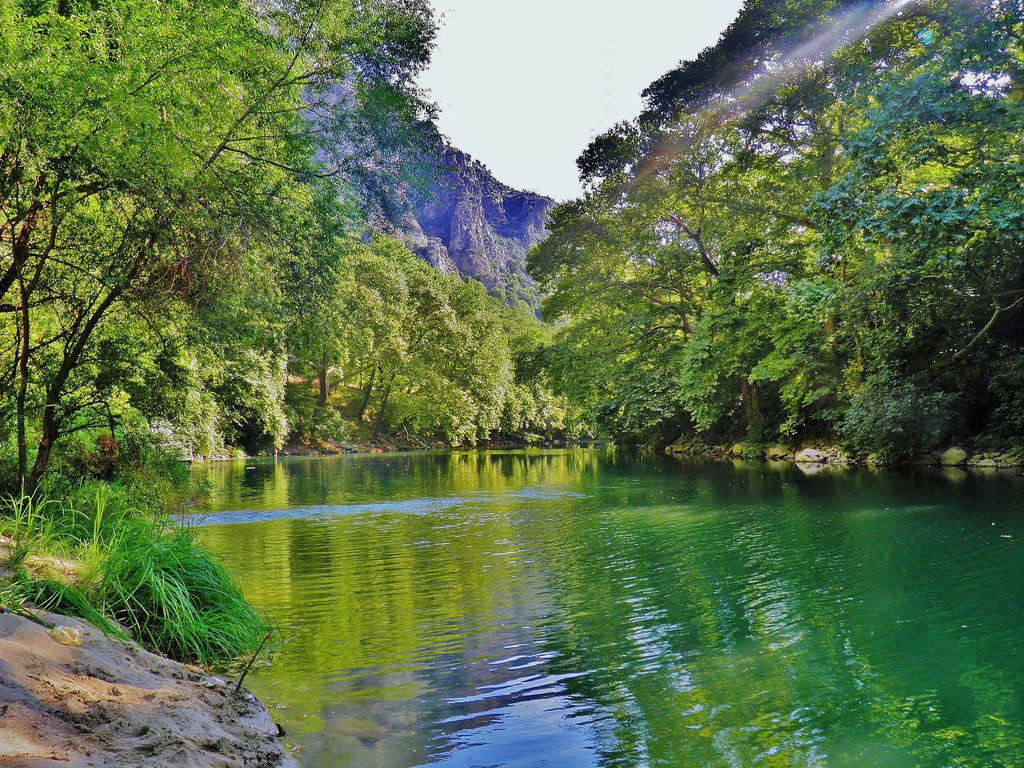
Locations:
column 104, row 703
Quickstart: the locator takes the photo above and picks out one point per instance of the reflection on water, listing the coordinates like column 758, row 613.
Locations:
column 582, row 608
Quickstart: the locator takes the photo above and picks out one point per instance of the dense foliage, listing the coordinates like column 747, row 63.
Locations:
column 186, row 189
column 394, row 343
column 812, row 231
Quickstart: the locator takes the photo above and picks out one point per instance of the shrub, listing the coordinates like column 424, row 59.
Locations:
column 896, row 418
column 127, row 572
column 172, row 595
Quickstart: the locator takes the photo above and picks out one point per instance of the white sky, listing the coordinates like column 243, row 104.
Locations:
column 524, row 86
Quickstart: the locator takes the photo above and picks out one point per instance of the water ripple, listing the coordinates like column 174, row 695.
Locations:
column 578, row 611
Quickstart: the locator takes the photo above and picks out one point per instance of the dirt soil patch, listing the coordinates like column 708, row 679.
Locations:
column 106, row 703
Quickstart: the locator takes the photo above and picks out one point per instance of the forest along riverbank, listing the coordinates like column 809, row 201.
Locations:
column 72, row 696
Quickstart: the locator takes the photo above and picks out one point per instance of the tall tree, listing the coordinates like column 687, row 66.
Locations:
column 815, row 212
column 182, row 133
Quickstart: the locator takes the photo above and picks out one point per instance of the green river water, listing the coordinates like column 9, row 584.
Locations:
column 590, row 608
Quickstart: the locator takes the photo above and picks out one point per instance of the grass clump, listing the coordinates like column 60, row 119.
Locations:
column 173, row 595
column 100, row 555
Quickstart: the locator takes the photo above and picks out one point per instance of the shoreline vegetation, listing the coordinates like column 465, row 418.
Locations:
column 809, row 236
column 817, row 457
column 121, row 683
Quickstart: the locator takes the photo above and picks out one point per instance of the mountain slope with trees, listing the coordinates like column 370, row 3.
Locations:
column 185, row 190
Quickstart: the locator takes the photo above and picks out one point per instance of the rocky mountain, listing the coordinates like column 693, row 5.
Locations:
column 468, row 222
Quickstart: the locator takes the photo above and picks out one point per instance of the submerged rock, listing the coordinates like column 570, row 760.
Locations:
column 954, row 474
column 812, row 468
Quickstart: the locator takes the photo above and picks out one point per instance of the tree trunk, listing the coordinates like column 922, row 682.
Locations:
column 366, row 395
column 325, row 383
column 24, row 341
column 21, row 244
column 112, row 425
column 55, row 391
column 383, row 407
column 51, row 429
column 750, row 409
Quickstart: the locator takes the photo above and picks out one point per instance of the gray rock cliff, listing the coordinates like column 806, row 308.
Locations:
column 469, row 223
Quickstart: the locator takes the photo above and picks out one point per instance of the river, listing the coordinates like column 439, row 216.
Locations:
column 578, row 608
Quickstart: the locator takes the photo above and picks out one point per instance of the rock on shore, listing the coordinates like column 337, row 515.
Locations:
column 813, row 459
column 105, row 703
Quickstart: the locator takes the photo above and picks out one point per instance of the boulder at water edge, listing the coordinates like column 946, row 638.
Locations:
column 953, row 457
column 810, row 456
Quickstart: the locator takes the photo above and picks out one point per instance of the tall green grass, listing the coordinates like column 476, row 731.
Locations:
column 130, row 572
column 30, row 525
column 173, row 595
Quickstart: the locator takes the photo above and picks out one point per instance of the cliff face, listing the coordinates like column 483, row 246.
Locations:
column 469, row 223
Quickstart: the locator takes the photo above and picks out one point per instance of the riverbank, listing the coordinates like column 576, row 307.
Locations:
column 395, row 444
column 79, row 698
column 815, row 458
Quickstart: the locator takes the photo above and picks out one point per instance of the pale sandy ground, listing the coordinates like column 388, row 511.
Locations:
column 105, row 703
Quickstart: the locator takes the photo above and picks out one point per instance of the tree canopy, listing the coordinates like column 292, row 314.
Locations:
column 812, row 230
column 183, row 186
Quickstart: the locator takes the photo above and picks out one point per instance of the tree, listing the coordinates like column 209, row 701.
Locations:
column 931, row 205
column 822, row 207
column 440, row 361
column 183, row 134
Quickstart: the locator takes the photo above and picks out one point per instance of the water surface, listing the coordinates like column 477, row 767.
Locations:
column 581, row 608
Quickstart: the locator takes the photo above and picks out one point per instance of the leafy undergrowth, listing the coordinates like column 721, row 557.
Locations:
column 99, row 556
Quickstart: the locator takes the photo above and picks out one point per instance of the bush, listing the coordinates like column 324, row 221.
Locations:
column 330, row 427
column 896, row 419
column 173, row 596
column 127, row 571
column 309, row 424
